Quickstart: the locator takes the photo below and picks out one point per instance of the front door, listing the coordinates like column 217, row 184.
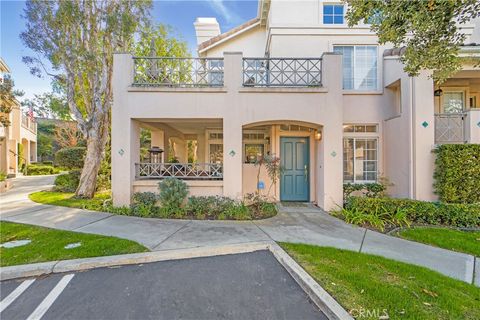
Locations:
column 294, row 181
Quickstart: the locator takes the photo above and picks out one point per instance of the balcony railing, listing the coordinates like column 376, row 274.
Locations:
column 450, row 128
column 187, row 171
column 282, row 72
column 29, row 123
column 178, row 72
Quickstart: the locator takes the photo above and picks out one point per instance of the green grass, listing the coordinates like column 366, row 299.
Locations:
column 366, row 282
column 456, row 240
column 66, row 199
column 48, row 245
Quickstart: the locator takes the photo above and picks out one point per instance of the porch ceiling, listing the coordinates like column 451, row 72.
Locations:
column 185, row 126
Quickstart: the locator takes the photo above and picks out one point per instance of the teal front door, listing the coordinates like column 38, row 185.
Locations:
column 294, row 181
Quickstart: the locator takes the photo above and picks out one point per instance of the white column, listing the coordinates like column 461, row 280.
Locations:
column 423, row 133
column 125, row 133
column 232, row 128
column 473, row 126
column 330, row 149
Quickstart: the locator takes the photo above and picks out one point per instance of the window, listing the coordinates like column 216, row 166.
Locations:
column 360, row 160
column 453, row 102
column 294, row 127
column 360, row 128
column 333, row 14
column 359, row 67
column 253, row 152
column 216, row 152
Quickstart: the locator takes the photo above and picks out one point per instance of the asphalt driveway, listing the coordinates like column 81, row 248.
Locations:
column 241, row 286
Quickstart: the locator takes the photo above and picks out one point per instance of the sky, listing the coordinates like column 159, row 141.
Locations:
column 179, row 14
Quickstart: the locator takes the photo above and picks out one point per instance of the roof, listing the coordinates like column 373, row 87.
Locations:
column 232, row 32
column 3, row 66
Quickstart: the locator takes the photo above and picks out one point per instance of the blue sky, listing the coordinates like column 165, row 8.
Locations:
column 180, row 14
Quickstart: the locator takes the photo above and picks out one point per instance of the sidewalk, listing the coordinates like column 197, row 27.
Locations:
column 301, row 225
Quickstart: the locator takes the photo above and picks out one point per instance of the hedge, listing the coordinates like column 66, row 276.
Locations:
column 457, row 173
column 67, row 182
column 421, row 212
column 71, row 158
column 37, row 170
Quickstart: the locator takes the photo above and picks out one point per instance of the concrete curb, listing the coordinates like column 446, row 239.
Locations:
column 326, row 303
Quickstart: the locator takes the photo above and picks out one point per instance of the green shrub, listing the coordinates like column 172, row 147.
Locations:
column 67, row 182
column 395, row 211
column 47, row 163
column 3, row 176
column 209, row 207
column 70, row 158
column 457, row 173
column 173, row 193
column 238, row 211
column 371, row 190
column 36, row 170
column 260, row 205
column 144, row 204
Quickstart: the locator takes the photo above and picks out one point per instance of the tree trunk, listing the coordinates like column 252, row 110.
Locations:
column 93, row 160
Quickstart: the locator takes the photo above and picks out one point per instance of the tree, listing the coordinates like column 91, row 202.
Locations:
column 44, row 146
column 49, row 105
column 66, row 134
column 430, row 30
column 79, row 38
column 7, row 99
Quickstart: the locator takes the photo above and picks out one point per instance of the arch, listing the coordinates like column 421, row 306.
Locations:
column 282, row 121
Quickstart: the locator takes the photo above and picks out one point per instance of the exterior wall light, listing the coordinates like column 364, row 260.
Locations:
column 318, row 136
column 438, row 92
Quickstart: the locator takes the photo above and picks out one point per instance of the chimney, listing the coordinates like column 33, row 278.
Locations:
column 206, row 28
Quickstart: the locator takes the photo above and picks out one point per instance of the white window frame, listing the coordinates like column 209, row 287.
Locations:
column 333, row 15
column 363, row 135
column 378, row 85
column 213, row 141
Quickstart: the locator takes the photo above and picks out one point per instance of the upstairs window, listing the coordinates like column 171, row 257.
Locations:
column 333, row 14
column 359, row 67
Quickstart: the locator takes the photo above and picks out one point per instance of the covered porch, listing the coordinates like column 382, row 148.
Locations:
column 457, row 108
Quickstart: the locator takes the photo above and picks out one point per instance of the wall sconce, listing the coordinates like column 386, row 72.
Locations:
column 438, row 92
column 318, row 135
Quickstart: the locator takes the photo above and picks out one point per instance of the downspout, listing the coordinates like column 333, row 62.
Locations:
column 413, row 173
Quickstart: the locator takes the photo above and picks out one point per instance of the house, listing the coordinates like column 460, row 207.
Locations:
column 19, row 138
column 296, row 83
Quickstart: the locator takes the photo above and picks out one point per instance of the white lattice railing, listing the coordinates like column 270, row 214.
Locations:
column 177, row 72
column 193, row 171
column 450, row 128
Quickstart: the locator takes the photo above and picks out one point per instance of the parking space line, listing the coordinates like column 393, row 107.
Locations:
column 50, row 298
column 15, row 294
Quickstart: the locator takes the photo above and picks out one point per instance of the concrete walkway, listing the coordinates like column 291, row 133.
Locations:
column 300, row 225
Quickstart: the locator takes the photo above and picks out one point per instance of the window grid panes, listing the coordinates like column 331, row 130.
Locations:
column 453, row 102
column 360, row 160
column 216, row 153
column 359, row 67
column 333, row 13
column 370, row 128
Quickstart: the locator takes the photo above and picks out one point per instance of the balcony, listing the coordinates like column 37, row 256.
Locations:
column 209, row 72
column 177, row 72
column 29, row 124
column 282, row 72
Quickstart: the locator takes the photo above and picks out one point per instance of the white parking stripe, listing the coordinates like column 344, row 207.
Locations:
column 15, row 294
column 50, row 299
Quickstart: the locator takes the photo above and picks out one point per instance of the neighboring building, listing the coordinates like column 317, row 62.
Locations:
column 297, row 83
column 21, row 131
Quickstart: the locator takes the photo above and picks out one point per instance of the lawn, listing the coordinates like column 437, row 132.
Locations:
column 66, row 199
column 375, row 285
column 48, row 245
column 456, row 240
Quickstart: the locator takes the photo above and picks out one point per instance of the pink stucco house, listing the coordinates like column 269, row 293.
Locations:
column 296, row 83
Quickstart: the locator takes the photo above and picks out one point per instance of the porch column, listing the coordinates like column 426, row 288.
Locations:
column 232, row 128
column 157, row 140
column 125, row 133
column 423, row 133
column 330, row 148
